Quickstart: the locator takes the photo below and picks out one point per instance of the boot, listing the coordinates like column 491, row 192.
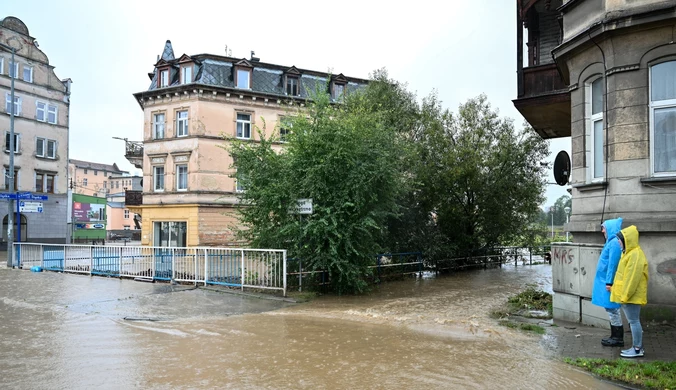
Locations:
column 616, row 337
column 607, row 339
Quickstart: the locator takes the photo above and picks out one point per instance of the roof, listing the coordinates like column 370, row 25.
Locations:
column 116, row 205
column 266, row 78
column 97, row 166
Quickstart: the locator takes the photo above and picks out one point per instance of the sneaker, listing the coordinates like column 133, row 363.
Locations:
column 632, row 353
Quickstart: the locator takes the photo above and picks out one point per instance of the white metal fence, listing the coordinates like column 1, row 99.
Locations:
column 235, row 267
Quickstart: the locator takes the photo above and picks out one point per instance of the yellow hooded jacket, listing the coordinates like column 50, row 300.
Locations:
column 631, row 280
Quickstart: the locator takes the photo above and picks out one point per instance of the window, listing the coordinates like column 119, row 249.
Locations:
column 596, row 163
column 8, row 104
column 28, row 74
column 96, row 173
column 292, row 86
column 13, row 70
column 338, row 91
column 45, row 148
column 7, row 178
column 84, row 182
column 182, row 177
column 186, row 74
column 170, row 234
column 16, row 142
column 243, row 126
column 51, row 113
column 243, row 76
column 663, row 118
column 44, row 182
column 238, row 186
column 164, row 78
column 2, row 65
column 85, row 171
column 105, row 184
column 284, row 129
column 126, row 214
column 182, row 123
column 158, row 126
column 158, row 179
column 117, row 184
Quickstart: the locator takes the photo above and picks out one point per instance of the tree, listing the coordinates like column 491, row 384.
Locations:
column 559, row 210
column 481, row 181
column 347, row 159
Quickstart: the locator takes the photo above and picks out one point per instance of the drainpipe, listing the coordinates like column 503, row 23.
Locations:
column 10, row 174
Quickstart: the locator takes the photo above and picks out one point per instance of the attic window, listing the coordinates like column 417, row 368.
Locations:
column 243, row 80
column 292, row 85
column 338, row 90
column 186, row 74
column 164, row 78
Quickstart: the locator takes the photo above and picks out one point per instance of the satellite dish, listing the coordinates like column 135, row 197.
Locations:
column 562, row 168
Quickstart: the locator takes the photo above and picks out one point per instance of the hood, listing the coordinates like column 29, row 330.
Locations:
column 630, row 238
column 613, row 226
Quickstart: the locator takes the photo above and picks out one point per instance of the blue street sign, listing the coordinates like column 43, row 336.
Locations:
column 23, row 195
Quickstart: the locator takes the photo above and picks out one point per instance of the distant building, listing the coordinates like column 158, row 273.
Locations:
column 41, row 108
column 189, row 195
column 604, row 74
column 96, row 179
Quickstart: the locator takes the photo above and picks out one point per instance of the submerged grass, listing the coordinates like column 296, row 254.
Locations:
column 521, row 304
column 522, row 326
column 649, row 375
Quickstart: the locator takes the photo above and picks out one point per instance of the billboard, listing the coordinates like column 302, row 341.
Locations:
column 89, row 212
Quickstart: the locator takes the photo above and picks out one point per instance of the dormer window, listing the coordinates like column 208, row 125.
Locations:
column 186, row 74
column 243, row 78
column 338, row 91
column 292, row 86
column 164, row 78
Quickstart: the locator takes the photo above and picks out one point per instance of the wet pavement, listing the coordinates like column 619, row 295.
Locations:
column 75, row 331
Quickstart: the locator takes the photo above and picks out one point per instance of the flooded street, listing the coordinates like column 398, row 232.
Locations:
column 69, row 331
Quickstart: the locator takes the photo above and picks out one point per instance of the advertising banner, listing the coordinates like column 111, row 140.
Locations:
column 89, row 212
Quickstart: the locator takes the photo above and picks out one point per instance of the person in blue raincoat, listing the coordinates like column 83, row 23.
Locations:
column 603, row 281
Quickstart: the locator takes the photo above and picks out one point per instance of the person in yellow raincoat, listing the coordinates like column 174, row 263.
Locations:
column 630, row 287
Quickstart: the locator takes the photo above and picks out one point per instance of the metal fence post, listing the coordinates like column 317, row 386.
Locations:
column 284, row 272
column 300, row 274
column 242, row 287
column 206, row 265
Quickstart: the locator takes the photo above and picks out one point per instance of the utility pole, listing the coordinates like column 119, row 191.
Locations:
column 10, row 174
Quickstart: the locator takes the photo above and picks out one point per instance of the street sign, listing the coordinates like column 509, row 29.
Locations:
column 30, row 207
column 303, row 206
column 23, row 195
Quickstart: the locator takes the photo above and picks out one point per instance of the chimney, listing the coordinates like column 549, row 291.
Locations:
column 254, row 59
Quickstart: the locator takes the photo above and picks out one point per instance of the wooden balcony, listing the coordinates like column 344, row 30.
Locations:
column 544, row 100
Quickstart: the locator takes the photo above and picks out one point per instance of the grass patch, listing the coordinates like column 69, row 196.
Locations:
column 649, row 375
column 304, row 296
column 522, row 326
column 523, row 303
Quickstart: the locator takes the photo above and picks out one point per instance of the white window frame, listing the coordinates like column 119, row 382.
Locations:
column 248, row 78
column 241, row 123
column 17, row 103
column 52, row 109
column 336, row 95
column 16, row 70
column 30, row 73
column 186, row 74
column 40, row 111
column 2, row 65
column 164, row 78
column 652, row 106
column 157, row 125
column 156, row 175
column 85, row 182
column 182, row 123
column 238, row 187
column 45, row 142
column 590, row 121
column 17, row 142
column 126, row 213
column 180, row 167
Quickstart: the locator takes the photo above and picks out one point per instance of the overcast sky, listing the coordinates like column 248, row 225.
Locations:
column 108, row 48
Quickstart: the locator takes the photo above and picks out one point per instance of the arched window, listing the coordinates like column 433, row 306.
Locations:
column 663, row 118
column 24, row 228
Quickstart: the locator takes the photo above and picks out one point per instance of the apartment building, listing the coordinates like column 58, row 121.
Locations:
column 189, row 193
column 41, row 111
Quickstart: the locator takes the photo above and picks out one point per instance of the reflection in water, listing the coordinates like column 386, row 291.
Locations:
column 68, row 331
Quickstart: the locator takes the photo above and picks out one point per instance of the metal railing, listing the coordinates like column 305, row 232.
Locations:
column 233, row 267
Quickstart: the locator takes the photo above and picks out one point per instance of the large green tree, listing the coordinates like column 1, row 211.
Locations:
column 347, row 159
column 480, row 179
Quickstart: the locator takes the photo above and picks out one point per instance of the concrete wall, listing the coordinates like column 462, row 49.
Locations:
column 50, row 226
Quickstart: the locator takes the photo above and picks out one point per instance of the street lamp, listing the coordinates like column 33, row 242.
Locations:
column 567, row 210
column 10, row 173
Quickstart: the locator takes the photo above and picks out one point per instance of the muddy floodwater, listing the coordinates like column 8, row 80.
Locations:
column 60, row 331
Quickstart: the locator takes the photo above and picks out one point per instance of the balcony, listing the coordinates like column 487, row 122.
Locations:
column 134, row 153
column 133, row 198
column 544, row 100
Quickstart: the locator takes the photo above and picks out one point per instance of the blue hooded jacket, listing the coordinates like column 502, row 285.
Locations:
column 607, row 265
